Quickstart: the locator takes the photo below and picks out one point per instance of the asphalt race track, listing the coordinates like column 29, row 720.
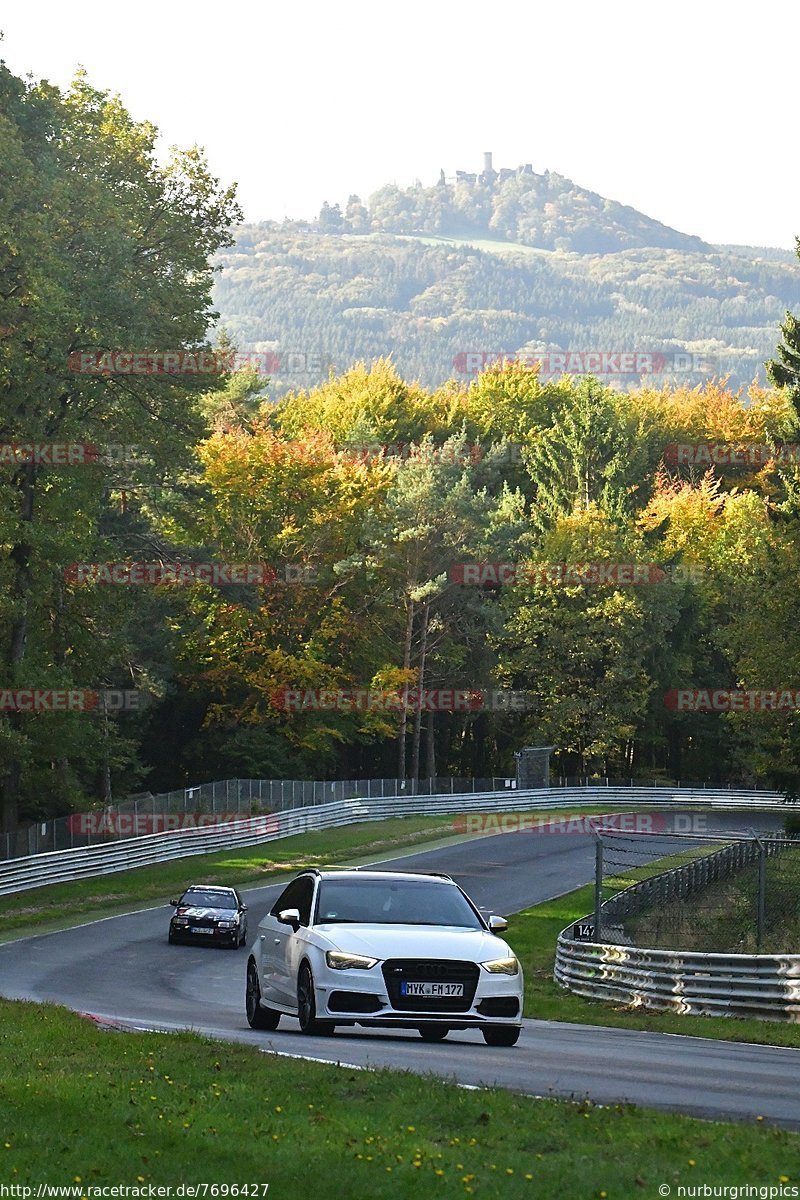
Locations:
column 122, row 968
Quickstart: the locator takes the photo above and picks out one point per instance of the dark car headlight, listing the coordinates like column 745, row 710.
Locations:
column 180, row 921
column 227, row 924
column 340, row 961
column 502, row 966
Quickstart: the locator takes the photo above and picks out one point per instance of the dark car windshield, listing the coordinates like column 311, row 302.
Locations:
column 394, row 902
column 209, row 899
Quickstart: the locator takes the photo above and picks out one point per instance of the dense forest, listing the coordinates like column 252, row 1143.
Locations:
column 504, row 534
column 305, row 303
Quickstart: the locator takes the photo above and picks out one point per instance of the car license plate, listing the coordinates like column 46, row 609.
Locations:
column 196, row 930
column 431, row 989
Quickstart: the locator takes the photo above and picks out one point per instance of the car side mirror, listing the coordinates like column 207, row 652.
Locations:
column 290, row 916
column 174, row 903
column 497, row 924
column 242, row 908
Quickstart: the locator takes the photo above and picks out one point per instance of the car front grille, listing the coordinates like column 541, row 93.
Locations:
column 430, row 970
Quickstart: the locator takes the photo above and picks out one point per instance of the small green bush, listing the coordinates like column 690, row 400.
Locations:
column 791, row 824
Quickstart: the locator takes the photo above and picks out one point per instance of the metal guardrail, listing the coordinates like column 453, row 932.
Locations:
column 148, row 813
column 722, row 985
column 20, row 874
column 765, row 986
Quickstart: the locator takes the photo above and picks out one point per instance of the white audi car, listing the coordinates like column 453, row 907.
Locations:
column 383, row 948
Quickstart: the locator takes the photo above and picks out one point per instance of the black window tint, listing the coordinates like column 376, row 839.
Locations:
column 297, row 895
column 306, row 897
column 287, row 899
column 198, row 899
column 395, row 902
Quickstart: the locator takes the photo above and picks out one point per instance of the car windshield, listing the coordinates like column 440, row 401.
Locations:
column 394, row 902
column 209, row 899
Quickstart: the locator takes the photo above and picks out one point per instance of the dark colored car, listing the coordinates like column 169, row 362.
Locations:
column 209, row 914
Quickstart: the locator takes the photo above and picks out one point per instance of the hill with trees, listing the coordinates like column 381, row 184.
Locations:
column 547, row 211
column 515, row 264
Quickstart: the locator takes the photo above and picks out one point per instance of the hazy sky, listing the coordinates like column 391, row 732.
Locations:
column 686, row 111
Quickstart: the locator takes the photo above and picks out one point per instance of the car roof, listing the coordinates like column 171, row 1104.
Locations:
column 209, row 887
column 367, row 873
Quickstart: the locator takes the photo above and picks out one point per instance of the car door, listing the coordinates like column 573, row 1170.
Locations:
column 289, row 943
column 274, row 938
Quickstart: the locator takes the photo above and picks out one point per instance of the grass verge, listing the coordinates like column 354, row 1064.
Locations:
column 88, row 1108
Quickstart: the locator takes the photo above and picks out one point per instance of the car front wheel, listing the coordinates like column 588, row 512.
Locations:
column 257, row 1017
column 307, row 1005
column 501, row 1035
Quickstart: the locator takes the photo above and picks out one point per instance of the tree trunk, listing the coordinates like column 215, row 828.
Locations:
column 20, row 591
column 420, row 687
column 401, row 733
column 430, row 747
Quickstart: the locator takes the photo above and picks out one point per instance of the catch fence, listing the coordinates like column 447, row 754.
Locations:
column 705, row 925
column 229, row 798
column 739, row 896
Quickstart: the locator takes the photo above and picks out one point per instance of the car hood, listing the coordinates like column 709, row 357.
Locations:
column 415, row 941
column 190, row 910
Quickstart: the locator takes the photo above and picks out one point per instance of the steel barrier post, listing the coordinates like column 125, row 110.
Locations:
column 762, row 888
column 598, row 885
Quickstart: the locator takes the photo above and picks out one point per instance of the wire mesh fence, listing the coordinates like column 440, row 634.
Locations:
column 213, row 803
column 713, row 893
column 639, row 781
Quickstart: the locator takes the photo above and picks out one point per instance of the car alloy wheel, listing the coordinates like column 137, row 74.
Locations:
column 307, row 1005
column 257, row 1017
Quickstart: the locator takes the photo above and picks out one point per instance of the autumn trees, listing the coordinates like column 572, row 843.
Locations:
column 617, row 568
column 383, row 491
column 101, row 248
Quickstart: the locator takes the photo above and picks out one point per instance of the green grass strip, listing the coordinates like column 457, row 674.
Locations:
column 89, row 1108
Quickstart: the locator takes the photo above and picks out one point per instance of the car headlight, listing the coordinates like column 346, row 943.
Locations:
column 180, row 920
column 340, row 961
column 226, row 924
column 502, row 966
